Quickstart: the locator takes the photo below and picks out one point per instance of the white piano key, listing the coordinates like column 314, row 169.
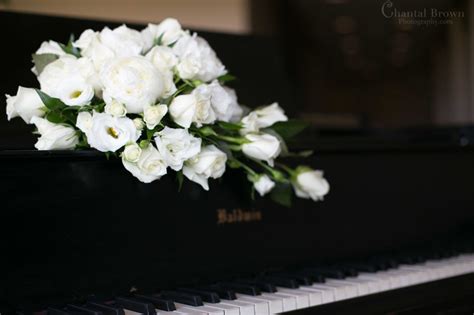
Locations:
column 327, row 295
column 261, row 307
column 338, row 290
column 351, row 289
column 160, row 312
column 379, row 283
column 275, row 304
column 199, row 309
column 362, row 285
column 315, row 297
column 227, row 309
column 186, row 309
column 289, row 302
column 302, row 298
column 245, row 308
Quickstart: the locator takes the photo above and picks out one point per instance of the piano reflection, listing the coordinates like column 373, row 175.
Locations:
column 393, row 236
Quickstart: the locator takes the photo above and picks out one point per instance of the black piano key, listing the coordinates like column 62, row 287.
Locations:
column 348, row 271
column 327, row 272
column 83, row 309
column 60, row 311
column 315, row 277
column 183, row 298
column 286, row 282
column 160, row 303
column 301, row 279
column 107, row 309
column 242, row 288
column 136, row 305
column 206, row 296
column 363, row 267
column 223, row 293
column 264, row 286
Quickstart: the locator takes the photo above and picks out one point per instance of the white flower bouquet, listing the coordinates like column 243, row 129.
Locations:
column 157, row 100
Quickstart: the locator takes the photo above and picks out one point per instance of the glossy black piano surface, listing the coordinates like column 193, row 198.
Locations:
column 73, row 224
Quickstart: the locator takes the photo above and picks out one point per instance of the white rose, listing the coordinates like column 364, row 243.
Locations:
column 133, row 81
column 169, row 30
column 262, row 118
column 310, row 184
column 263, row 185
column 70, row 79
column 263, row 147
column 209, row 163
column 139, row 123
column 115, row 108
column 123, row 41
column 177, row 146
column 50, row 47
column 91, row 47
column 152, row 115
column 197, row 59
column 132, row 152
column 163, row 58
column 149, row 167
column 26, row 104
column 168, row 84
column 183, row 109
column 109, row 133
column 54, row 136
column 224, row 103
column 204, row 112
column 84, row 122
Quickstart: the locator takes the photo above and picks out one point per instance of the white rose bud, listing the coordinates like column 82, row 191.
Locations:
column 132, row 152
column 169, row 30
column 139, row 123
column 54, row 136
column 177, row 146
column 262, row 118
column 115, row 108
column 224, row 102
column 163, row 58
column 183, row 109
column 149, row 167
column 84, row 122
column 26, row 104
column 109, row 133
column 263, row 185
column 209, row 163
column 132, row 81
column 152, row 115
column 50, row 47
column 309, row 183
column 263, row 147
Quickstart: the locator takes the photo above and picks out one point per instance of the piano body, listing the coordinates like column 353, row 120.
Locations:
column 79, row 235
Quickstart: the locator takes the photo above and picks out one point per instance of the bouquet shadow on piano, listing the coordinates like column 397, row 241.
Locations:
column 80, row 235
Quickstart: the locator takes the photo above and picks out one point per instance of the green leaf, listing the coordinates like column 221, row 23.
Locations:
column 54, row 117
column 229, row 126
column 51, row 103
column 180, row 179
column 42, row 60
column 282, row 194
column 69, row 48
column 226, row 78
column 289, row 129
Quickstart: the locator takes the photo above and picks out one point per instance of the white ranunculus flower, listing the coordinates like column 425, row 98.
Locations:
column 224, row 103
column 54, row 136
column 70, row 79
column 132, row 152
column 91, row 47
column 133, row 81
column 183, row 109
column 169, row 29
column 198, row 59
column 26, row 104
column 115, row 108
column 209, row 163
column 149, row 167
column 163, row 58
column 50, row 47
column 263, row 147
column 177, row 146
column 262, row 118
column 123, row 41
column 310, row 184
column 153, row 114
column 109, row 133
column 139, row 123
column 263, row 185
column 84, row 122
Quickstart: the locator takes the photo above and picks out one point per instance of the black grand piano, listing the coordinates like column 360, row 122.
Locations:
column 78, row 235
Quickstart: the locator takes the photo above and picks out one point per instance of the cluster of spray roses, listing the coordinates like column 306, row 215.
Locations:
column 157, row 99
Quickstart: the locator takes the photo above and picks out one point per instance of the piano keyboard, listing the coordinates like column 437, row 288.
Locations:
column 283, row 292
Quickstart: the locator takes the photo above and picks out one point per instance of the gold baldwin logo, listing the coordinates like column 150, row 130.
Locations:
column 225, row 216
